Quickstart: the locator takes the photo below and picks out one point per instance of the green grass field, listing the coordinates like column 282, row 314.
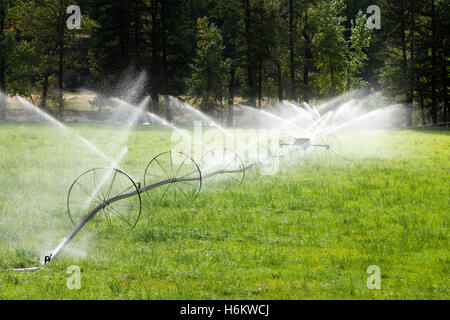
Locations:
column 308, row 232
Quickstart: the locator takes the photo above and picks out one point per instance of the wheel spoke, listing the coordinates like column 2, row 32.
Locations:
column 85, row 190
column 176, row 186
column 168, row 175
column 108, row 218
column 171, row 164
column 181, row 166
column 114, row 212
column 188, row 174
column 174, row 192
column 99, row 186
column 229, row 175
column 165, row 192
column 108, row 193
column 226, row 167
column 184, row 182
column 176, row 189
column 130, row 187
column 80, row 197
column 98, row 216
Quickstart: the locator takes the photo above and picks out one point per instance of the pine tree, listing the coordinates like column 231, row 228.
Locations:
column 3, row 54
column 357, row 58
column 227, row 15
column 330, row 46
column 210, row 69
column 48, row 47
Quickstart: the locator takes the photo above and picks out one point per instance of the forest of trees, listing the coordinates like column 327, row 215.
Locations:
column 217, row 51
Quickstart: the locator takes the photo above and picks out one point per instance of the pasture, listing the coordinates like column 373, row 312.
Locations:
column 308, row 232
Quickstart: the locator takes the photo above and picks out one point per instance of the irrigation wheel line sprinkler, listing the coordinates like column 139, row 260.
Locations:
column 98, row 186
column 333, row 143
column 162, row 167
column 291, row 147
column 258, row 154
column 228, row 161
column 176, row 175
column 105, row 199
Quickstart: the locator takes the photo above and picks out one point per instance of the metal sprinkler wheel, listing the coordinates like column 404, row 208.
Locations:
column 292, row 149
column 96, row 187
column 226, row 163
column 334, row 148
column 261, row 156
column 183, row 176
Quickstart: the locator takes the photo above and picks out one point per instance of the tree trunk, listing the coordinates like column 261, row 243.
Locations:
column 155, row 99
column 348, row 78
column 45, row 91
column 231, row 95
column 279, row 81
column 221, row 110
column 333, row 82
column 292, row 94
column 122, row 32
column 164, row 62
column 306, row 58
column 260, row 84
column 167, row 106
column 205, row 105
column 422, row 110
column 2, row 90
column 2, row 67
column 250, row 79
column 155, row 58
column 61, row 83
column 61, row 62
column 405, row 68
column 232, row 83
column 137, row 28
column 433, row 65
column 168, row 110
column 445, row 87
column 410, row 97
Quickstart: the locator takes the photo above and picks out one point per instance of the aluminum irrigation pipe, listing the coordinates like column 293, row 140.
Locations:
column 106, row 203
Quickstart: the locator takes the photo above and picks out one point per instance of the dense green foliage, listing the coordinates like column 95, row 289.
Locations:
column 311, row 231
column 209, row 70
column 289, row 49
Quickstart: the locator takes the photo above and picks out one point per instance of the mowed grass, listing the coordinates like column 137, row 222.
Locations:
column 308, row 232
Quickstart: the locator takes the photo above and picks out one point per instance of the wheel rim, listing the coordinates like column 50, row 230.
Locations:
column 335, row 145
column 223, row 159
column 290, row 152
column 98, row 185
column 173, row 166
column 260, row 156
